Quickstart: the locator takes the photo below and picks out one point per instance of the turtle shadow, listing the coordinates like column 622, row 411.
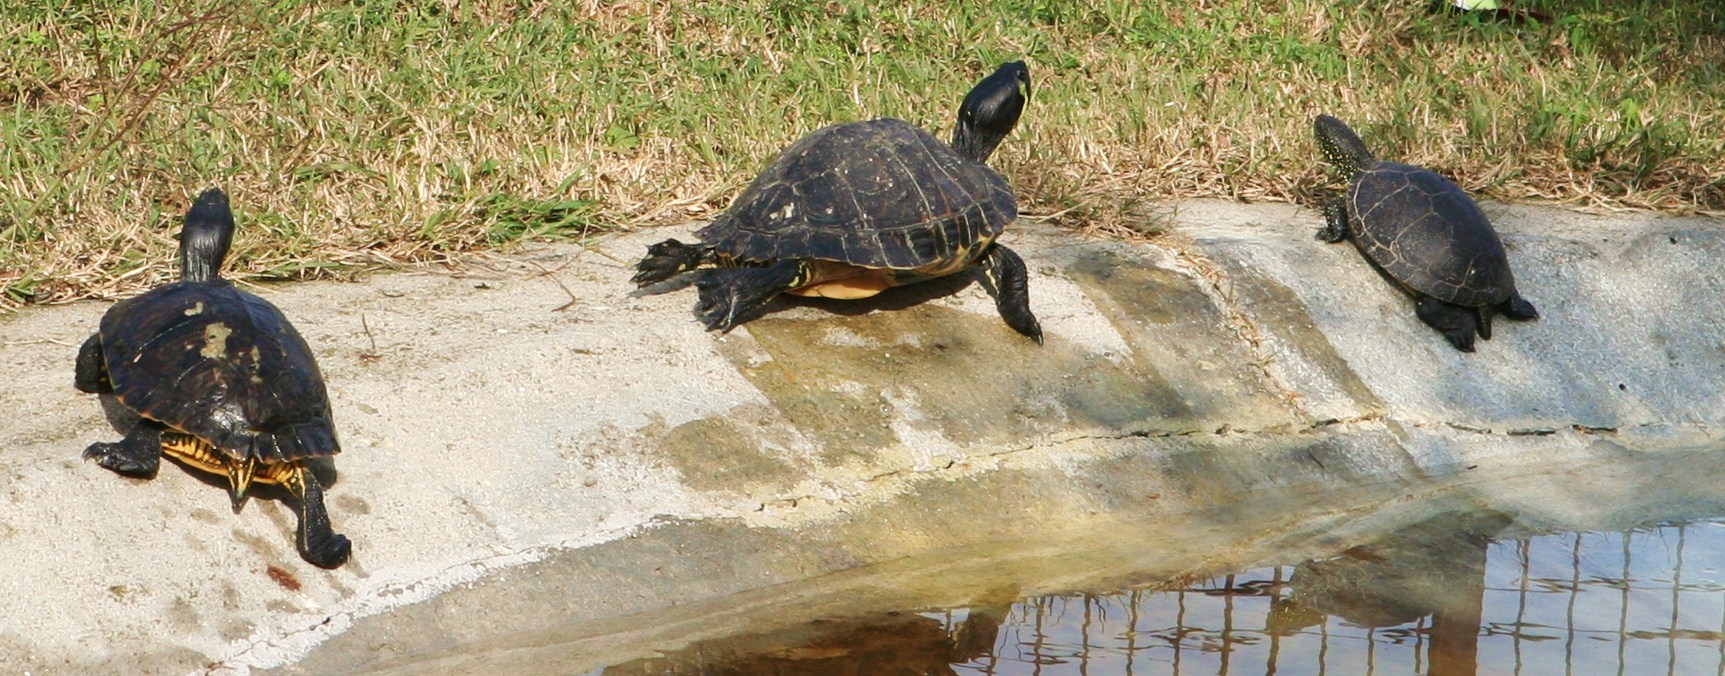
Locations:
column 123, row 420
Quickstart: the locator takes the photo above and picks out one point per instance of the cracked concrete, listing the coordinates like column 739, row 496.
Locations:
column 529, row 488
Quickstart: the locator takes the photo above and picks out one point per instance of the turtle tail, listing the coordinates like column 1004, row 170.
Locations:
column 1340, row 145
column 670, row 258
column 730, row 296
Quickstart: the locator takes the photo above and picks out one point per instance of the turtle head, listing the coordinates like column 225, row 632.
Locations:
column 205, row 237
column 1341, row 146
column 990, row 111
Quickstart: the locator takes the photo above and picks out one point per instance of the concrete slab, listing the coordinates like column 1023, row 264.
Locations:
column 608, row 479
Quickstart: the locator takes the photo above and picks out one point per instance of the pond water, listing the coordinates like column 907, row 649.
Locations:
column 1462, row 592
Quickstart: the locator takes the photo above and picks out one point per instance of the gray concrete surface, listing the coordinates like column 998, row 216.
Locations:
column 543, row 489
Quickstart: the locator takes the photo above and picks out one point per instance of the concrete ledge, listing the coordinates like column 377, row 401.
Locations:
column 609, row 479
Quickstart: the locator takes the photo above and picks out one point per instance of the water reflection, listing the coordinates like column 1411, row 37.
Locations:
column 1462, row 593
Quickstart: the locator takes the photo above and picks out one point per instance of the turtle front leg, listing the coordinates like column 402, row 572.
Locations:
column 730, row 296
column 1335, row 222
column 138, row 455
column 318, row 543
column 1458, row 324
column 1005, row 278
column 92, row 370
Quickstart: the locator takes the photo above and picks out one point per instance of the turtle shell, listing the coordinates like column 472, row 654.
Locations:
column 879, row 194
column 1429, row 235
column 222, row 365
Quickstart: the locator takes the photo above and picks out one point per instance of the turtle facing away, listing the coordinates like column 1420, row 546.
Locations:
column 220, row 380
column 1424, row 233
column 852, row 209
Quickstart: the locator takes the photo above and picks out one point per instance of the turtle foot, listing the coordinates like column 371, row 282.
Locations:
column 1462, row 340
column 92, row 371
column 1457, row 323
column 668, row 259
column 115, row 456
column 1518, row 308
column 327, row 552
column 1005, row 277
column 1335, row 223
column 138, row 455
column 318, row 544
column 731, row 296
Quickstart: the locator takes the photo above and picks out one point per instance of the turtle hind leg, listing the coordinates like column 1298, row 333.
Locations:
column 1335, row 222
column 1005, row 278
column 92, row 371
column 137, row 455
column 317, row 542
column 730, row 296
column 1456, row 323
column 670, row 258
column 1518, row 308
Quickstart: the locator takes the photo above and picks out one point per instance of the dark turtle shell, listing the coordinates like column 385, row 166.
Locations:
column 222, row 365
column 1428, row 234
column 877, row 194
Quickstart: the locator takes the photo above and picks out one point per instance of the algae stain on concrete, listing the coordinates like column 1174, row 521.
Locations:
column 1182, row 340
column 715, row 454
column 971, row 379
column 1274, row 304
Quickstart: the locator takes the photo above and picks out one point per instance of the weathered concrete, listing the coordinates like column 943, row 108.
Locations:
column 566, row 489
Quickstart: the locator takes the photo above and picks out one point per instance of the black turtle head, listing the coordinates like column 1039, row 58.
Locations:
column 1341, row 146
column 205, row 237
column 990, row 111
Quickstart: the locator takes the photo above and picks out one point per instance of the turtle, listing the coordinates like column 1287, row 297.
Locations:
column 852, row 209
column 1425, row 234
column 220, row 381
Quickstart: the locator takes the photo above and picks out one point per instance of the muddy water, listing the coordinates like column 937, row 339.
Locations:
column 1467, row 589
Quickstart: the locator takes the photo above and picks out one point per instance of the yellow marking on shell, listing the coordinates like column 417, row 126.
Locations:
column 195, row 310
column 216, row 340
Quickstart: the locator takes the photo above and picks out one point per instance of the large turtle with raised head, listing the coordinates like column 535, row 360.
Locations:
column 220, row 380
column 853, row 209
column 1424, row 233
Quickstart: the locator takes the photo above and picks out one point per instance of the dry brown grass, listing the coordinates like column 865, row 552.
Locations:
column 366, row 134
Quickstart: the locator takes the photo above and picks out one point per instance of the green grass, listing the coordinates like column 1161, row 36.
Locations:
column 364, row 133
